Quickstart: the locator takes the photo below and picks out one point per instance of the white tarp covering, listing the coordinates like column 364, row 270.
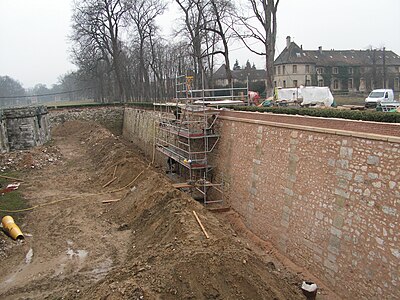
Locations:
column 308, row 95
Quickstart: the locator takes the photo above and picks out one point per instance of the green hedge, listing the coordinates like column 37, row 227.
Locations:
column 375, row 116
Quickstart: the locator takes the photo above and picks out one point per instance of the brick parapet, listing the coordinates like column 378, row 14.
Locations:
column 341, row 126
column 327, row 198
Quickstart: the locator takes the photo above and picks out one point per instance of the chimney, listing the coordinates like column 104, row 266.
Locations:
column 287, row 42
column 320, row 49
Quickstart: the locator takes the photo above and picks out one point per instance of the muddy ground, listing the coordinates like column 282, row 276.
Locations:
column 146, row 245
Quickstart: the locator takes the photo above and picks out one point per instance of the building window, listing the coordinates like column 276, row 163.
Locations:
column 279, row 70
column 321, row 82
column 308, row 82
column 398, row 69
column 362, row 70
column 307, row 69
column 283, row 70
column 350, row 83
column 275, row 70
column 320, row 70
column 295, row 83
column 336, row 84
column 335, row 70
column 294, row 69
column 396, row 83
column 284, row 83
column 351, row 71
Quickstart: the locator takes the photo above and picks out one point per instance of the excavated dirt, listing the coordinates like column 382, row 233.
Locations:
column 147, row 245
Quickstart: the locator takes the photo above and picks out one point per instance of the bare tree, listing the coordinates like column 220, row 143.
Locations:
column 96, row 27
column 10, row 90
column 143, row 14
column 194, row 27
column 220, row 11
column 263, row 31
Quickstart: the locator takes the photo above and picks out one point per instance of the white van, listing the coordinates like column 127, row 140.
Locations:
column 378, row 96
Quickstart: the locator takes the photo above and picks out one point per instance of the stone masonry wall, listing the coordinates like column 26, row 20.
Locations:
column 3, row 134
column 25, row 128
column 110, row 117
column 139, row 127
column 327, row 198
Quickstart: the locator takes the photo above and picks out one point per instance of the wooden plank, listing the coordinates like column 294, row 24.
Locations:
column 201, row 225
column 182, row 185
column 11, row 178
column 108, row 183
column 219, row 209
column 110, row 201
column 115, row 170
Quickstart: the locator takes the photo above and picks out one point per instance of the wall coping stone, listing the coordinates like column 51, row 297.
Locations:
column 24, row 112
column 363, row 135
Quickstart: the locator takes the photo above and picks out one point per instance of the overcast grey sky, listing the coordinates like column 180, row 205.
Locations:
column 34, row 45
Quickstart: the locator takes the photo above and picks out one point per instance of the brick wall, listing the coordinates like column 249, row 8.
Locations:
column 325, row 192
column 328, row 199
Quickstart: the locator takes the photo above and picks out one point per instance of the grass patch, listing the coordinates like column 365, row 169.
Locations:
column 12, row 200
column 350, row 100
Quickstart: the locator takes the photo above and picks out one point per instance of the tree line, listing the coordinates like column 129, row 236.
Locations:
column 121, row 54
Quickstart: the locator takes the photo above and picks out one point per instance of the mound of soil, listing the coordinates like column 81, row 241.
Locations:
column 146, row 245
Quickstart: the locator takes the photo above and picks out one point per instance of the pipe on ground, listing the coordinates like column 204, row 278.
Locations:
column 11, row 228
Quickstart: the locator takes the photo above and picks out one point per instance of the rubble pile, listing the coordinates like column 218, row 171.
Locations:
column 35, row 158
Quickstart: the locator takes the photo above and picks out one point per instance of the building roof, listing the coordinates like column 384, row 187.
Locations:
column 295, row 54
column 253, row 74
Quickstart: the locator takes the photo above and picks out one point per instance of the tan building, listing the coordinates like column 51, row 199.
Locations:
column 340, row 70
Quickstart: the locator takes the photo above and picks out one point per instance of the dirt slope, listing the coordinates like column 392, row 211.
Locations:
column 148, row 245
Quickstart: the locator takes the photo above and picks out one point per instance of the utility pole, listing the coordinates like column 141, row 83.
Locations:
column 384, row 68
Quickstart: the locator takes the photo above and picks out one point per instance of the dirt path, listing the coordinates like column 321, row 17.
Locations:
column 148, row 245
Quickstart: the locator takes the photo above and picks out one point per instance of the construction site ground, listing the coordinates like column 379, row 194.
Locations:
column 145, row 243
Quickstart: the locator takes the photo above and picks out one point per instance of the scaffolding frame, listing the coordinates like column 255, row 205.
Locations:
column 186, row 133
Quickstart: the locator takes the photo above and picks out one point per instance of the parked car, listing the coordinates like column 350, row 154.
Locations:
column 378, row 96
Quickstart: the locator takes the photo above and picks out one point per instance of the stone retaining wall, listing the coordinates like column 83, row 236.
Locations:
column 329, row 199
column 110, row 117
column 3, row 134
column 326, row 196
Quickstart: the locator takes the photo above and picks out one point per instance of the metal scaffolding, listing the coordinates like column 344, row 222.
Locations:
column 187, row 134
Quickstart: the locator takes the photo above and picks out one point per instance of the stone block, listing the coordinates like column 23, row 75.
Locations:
column 342, row 193
column 373, row 160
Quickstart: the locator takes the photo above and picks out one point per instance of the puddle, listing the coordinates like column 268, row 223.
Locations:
column 28, row 257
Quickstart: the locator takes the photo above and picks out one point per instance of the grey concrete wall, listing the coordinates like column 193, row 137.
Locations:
column 3, row 134
column 25, row 127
